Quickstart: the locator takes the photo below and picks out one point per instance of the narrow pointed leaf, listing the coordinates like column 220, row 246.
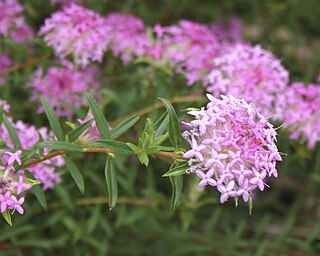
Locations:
column 75, row 173
column 124, row 126
column 143, row 157
column 174, row 127
column 161, row 125
column 133, row 147
column 101, row 121
column 76, row 133
column 12, row 133
column 53, row 120
column 177, row 184
column 1, row 113
column 37, row 191
column 60, row 145
column 177, row 170
column 112, row 183
column 7, row 216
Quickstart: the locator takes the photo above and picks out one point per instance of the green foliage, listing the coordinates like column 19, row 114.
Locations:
column 101, row 121
column 112, row 183
column 53, row 120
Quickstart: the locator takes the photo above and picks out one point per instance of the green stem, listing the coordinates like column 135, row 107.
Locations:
column 168, row 155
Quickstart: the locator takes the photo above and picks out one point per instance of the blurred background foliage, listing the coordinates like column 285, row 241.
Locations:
column 285, row 219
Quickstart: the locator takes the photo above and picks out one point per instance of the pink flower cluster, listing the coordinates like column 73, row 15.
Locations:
column 301, row 105
column 189, row 46
column 29, row 136
column 11, row 184
column 232, row 147
column 12, row 23
column 76, row 31
column 62, row 86
column 252, row 73
column 126, row 36
column 214, row 54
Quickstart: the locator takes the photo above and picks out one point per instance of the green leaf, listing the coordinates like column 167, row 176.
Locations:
column 118, row 147
column 60, row 145
column 176, row 170
column 174, row 127
column 133, row 147
column 75, row 173
column 37, row 191
column 147, row 138
column 101, row 121
column 76, row 133
column 12, row 133
column 1, row 112
column 143, row 157
column 53, row 120
column 250, row 205
column 124, row 126
column 177, row 184
column 161, row 125
column 112, row 183
column 7, row 216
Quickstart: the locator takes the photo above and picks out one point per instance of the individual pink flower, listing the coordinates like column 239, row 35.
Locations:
column 14, row 157
column 251, row 73
column 15, row 204
column 76, row 31
column 20, row 185
column 62, row 86
column 5, row 201
column 232, row 149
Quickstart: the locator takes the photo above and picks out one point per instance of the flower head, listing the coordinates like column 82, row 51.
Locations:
column 251, row 73
column 76, row 31
column 127, row 36
column 44, row 172
column 301, row 112
column 62, row 86
column 188, row 46
column 232, row 147
column 12, row 23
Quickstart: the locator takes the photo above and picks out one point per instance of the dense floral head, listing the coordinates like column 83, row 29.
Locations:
column 232, row 147
column 301, row 107
column 62, row 86
column 190, row 46
column 252, row 73
column 29, row 136
column 76, row 31
column 127, row 36
column 12, row 23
